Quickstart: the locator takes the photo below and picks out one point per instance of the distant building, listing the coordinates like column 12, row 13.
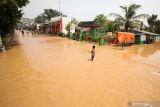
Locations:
column 144, row 37
column 57, row 25
column 89, row 28
column 26, row 23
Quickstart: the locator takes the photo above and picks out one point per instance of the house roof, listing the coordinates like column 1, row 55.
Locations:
column 88, row 24
column 145, row 32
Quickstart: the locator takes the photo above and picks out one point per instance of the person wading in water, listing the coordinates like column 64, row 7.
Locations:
column 93, row 53
column 22, row 32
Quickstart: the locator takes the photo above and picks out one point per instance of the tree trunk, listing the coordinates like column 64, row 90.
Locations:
column 7, row 41
column 127, row 26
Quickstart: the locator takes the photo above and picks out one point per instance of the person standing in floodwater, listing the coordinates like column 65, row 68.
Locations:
column 22, row 32
column 27, row 32
column 93, row 52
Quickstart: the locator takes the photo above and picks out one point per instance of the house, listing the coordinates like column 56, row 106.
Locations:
column 89, row 27
column 26, row 23
column 58, row 25
column 144, row 37
column 35, row 27
column 158, row 38
column 44, row 28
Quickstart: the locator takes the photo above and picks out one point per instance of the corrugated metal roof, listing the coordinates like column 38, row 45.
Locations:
column 147, row 33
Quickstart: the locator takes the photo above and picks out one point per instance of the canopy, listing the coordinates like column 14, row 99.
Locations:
column 124, row 37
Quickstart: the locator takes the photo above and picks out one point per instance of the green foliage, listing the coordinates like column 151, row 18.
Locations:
column 50, row 13
column 40, row 19
column 68, row 27
column 157, row 27
column 71, row 23
column 154, row 24
column 102, row 20
column 151, row 22
column 74, row 21
column 10, row 14
column 47, row 15
column 21, row 3
column 113, row 26
column 141, row 26
column 129, row 15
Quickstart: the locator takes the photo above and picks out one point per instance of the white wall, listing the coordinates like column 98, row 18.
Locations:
column 65, row 21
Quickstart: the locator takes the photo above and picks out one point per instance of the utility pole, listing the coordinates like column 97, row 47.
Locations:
column 60, row 16
column 59, row 6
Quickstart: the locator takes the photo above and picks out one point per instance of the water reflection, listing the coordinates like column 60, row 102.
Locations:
column 145, row 53
column 146, row 50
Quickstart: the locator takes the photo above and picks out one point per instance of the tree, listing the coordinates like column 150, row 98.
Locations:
column 50, row 13
column 102, row 20
column 141, row 26
column 40, row 19
column 129, row 15
column 47, row 15
column 157, row 27
column 10, row 14
column 151, row 22
column 68, row 27
column 113, row 26
column 72, row 23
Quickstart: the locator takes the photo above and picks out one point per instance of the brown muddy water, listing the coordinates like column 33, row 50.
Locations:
column 56, row 72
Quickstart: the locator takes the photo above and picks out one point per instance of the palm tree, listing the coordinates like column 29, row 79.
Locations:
column 129, row 15
column 157, row 27
column 151, row 22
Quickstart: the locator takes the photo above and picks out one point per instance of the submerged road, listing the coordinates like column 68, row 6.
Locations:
column 56, row 72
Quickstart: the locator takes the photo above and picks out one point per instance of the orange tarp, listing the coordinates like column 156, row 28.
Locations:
column 124, row 37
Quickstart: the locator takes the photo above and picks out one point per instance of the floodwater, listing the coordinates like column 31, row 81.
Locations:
column 56, row 72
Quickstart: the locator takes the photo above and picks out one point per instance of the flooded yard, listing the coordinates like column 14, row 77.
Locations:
column 56, row 72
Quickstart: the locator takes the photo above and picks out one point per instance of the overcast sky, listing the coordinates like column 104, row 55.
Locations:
column 84, row 10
